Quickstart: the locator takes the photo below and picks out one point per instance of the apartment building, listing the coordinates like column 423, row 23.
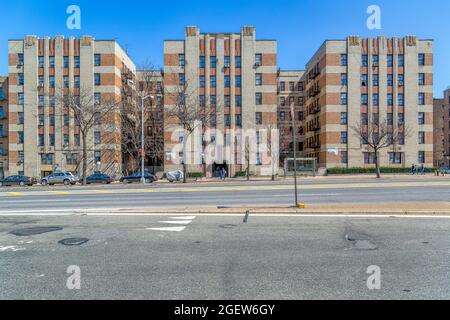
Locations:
column 290, row 92
column 441, row 121
column 3, row 127
column 44, row 134
column 233, row 76
column 370, row 81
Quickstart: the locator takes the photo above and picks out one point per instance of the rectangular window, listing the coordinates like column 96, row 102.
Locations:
column 343, row 118
column 421, row 118
column 21, row 137
column 258, row 79
column 344, row 79
column 202, row 62
column 364, row 60
column 421, row 79
column 401, row 80
column 97, row 60
column 258, row 59
column 202, row 101
column 51, row 139
column 227, row 120
column 291, row 86
column 227, row 81
column 66, row 81
column 421, row 137
column 364, row 99
column 97, row 98
column 51, row 62
column 390, row 80
column 76, row 62
column 21, row 118
column 66, row 119
column 237, row 61
column 213, row 82
column 41, row 120
column 181, row 80
column 227, row 101
column 421, row 157
column 258, row 117
column 97, row 137
column 213, row 101
column 51, row 101
column 375, row 99
column 282, row 116
column 41, row 62
column 401, row 119
column 401, row 60
column 66, row 62
column 401, row 99
column 390, row 99
column 77, row 140
column 65, row 140
column 344, row 137
column 300, row 101
column 421, row 59
column 343, row 60
column 21, row 79
column 343, row 98
column 282, row 86
column 369, row 157
column 283, row 101
column 258, row 98
column 238, row 120
column 395, row 158
column 213, row 62
column 41, row 101
column 390, row 60
column 98, row 156
column 421, row 99
column 97, row 79
column 40, row 140
column 344, row 157
column 238, row 81
column 181, row 60
column 21, row 98
column 364, row 80
column 51, row 120
column 390, row 119
column 238, row 101
column 202, row 81
column 375, row 80
column 227, row 62
column 51, row 81
column 375, row 60
column 76, row 81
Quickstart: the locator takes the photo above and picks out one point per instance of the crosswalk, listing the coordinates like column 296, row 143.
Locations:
column 176, row 224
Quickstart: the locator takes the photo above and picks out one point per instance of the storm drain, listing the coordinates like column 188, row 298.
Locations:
column 34, row 231
column 73, row 241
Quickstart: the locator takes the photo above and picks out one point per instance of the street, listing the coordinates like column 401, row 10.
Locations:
column 220, row 257
column 214, row 194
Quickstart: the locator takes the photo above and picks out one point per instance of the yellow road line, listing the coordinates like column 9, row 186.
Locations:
column 15, row 194
column 60, row 192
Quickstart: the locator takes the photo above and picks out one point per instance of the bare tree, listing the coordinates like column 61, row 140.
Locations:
column 190, row 113
column 379, row 135
column 247, row 158
column 273, row 148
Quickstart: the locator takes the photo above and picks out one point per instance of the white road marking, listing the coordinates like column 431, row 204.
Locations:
column 184, row 218
column 10, row 248
column 169, row 229
column 177, row 222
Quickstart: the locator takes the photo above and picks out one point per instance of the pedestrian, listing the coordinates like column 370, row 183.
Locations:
column 413, row 169
column 223, row 173
column 422, row 169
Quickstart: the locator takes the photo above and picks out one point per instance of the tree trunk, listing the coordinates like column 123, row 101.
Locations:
column 184, row 172
column 84, row 159
column 377, row 166
column 248, row 168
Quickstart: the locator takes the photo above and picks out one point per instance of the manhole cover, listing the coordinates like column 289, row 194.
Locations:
column 73, row 241
column 34, row 231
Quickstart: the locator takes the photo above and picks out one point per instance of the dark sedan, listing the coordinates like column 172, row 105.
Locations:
column 136, row 177
column 99, row 178
column 17, row 181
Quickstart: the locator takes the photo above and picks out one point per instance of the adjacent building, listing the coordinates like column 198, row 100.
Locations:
column 365, row 82
column 441, row 119
column 233, row 77
column 4, row 145
column 43, row 133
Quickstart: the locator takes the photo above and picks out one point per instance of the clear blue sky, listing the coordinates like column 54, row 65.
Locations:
column 300, row 26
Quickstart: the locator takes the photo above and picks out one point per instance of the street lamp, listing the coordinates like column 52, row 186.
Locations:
column 143, row 138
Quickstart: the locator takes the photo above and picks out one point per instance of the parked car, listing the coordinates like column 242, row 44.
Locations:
column 444, row 169
column 174, row 175
column 136, row 177
column 99, row 178
column 66, row 178
column 17, row 181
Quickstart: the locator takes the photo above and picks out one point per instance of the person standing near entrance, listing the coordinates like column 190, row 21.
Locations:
column 223, row 173
column 413, row 169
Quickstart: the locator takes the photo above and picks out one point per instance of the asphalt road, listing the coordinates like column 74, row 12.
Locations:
column 255, row 193
column 220, row 257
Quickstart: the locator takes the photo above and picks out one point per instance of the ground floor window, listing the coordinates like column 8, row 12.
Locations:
column 395, row 158
column 369, row 157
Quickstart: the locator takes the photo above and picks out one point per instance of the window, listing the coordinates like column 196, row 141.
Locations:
column 364, row 80
column 369, row 157
column 421, row 99
column 20, row 58
column 227, row 62
column 237, row 61
column 390, row 99
column 47, row 159
column 238, row 120
column 300, row 101
column 258, row 159
column 421, row 59
column 66, row 119
column 390, row 80
column 283, row 101
column 227, row 101
column 258, row 80
column 375, row 60
column 258, row 99
column 421, row 137
column 21, row 98
column 97, row 137
column 213, row 82
column 76, row 62
column 98, row 156
column 21, row 79
column 282, row 86
column 395, row 158
column 51, row 139
column 375, row 80
column 21, row 137
column 421, row 157
column 390, row 119
column 97, row 60
column 401, row 119
column 213, row 100
column 213, row 62
column 375, row 118
column 227, row 120
column 343, row 118
column 66, row 62
column 51, row 120
column 401, row 60
column 364, row 99
column 343, row 98
column 181, row 60
column 375, row 99
column 21, row 118
column 421, row 118
column 66, row 81
column 238, row 101
column 258, row 116
column 159, row 101
column 344, row 80
column 282, row 116
column 343, row 60
column 51, row 81
column 291, row 86
column 238, row 81
column 344, row 137
column 97, row 98
column 97, row 79
column 202, row 101
column 202, row 62
column 66, row 140
column 421, row 79
column 40, row 140
column 364, row 60
column 77, row 140
column 41, row 101
column 227, row 81
column 344, row 157
column 41, row 62
column 77, row 81
column 181, row 80
column 300, row 116
column 401, row 99
column 202, row 81
column 21, row 158
column 41, row 81
column 51, row 101
column 390, row 60
column 291, row 100
column 51, row 61
column 401, row 80
column 258, row 59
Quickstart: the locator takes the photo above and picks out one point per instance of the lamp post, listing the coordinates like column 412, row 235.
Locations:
column 294, row 133
column 143, row 138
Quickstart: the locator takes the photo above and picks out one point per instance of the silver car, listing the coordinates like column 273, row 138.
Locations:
column 65, row 178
